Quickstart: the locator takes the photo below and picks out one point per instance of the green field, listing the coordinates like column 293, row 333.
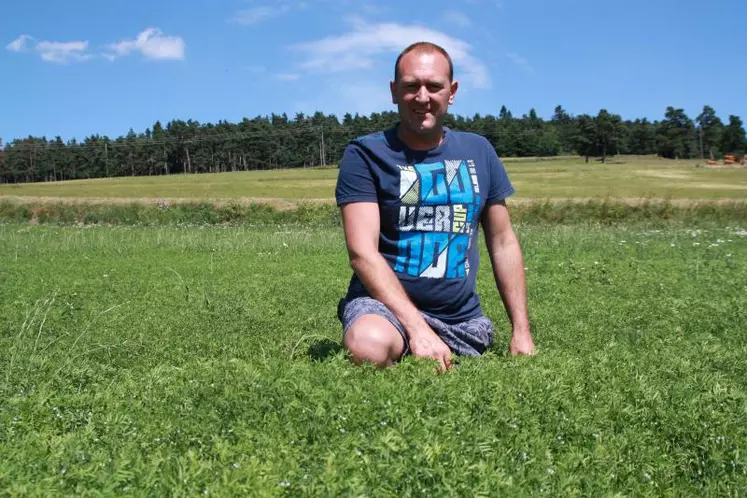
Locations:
column 205, row 360
column 628, row 177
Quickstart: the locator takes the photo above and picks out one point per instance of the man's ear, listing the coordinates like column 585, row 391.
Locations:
column 393, row 91
column 454, row 88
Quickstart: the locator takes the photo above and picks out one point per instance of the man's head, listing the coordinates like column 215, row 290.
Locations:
column 423, row 88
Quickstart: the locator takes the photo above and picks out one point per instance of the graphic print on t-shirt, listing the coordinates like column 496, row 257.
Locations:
column 438, row 206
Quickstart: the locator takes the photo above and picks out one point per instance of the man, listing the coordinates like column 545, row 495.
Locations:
column 411, row 199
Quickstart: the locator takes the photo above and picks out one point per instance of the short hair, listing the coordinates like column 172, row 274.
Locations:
column 425, row 47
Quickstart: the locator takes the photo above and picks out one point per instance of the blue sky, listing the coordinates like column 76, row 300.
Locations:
column 90, row 66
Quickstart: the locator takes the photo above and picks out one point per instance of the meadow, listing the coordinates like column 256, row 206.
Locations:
column 205, row 359
column 177, row 336
column 625, row 177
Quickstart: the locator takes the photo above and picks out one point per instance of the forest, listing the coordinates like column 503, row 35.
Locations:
column 278, row 141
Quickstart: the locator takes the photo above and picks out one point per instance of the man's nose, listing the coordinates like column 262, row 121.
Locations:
column 422, row 95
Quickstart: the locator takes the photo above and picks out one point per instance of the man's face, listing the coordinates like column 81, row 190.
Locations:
column 423, row 91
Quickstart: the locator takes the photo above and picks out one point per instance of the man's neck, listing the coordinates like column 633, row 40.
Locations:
column 421, row 142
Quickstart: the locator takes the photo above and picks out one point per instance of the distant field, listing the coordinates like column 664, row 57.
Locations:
column 624, row 177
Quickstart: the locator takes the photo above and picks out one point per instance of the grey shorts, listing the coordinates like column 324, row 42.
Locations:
column 469, row 338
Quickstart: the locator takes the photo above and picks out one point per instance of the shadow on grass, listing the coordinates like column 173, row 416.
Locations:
column 323, row 350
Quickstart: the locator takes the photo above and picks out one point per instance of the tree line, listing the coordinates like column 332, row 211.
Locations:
column 277, row 141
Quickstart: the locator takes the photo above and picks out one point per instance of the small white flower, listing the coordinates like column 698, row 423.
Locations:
column 285, row 484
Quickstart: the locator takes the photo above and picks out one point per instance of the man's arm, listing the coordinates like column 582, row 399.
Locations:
column 362, row 231
column 508, row 269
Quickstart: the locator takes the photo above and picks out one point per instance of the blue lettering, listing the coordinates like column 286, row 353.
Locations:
column 433, row 179
column 457, row 256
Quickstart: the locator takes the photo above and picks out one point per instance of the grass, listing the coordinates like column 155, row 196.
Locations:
column 205, row 360
column 568, row 177
column 256, row 214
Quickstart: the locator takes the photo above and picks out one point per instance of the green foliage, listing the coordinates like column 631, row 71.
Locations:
column 676, row 135
column 278, row 141
column 186, row 361
column 710, row 129
column 603, row 211
column 733, row 139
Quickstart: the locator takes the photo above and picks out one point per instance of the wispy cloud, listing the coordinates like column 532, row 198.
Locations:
column 497, row 3
column 348, row 93
column 366, row 43
column 19, row 44
column 457, row 18
column 256, row 69
column 261, row 13
column 52, row 51
column 152, row 44
column 63, row 52
column 287, row 76
column 520, row 61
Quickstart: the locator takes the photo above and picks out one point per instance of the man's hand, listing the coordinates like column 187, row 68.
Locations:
column 427, row 344
column 522, row 344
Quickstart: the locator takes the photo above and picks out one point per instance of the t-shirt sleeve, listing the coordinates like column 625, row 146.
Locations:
column 500, row 186
column 354, row 180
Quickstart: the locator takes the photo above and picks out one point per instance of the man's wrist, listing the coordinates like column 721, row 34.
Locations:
column 521, row 330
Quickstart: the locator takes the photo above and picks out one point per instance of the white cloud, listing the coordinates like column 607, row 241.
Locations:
column 457, row 18
column 63, row 52
column 360, row 48
column 287, row 76
column 52, row 51
column 256, row 69
column 348, row 93
column 520, row 61
column 19, row 44
column 255, row 15
column 152, row 44
column 497, row 3
column 260, row 13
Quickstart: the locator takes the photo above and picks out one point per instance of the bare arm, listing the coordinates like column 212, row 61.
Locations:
column 362, row 231
column 508, row 269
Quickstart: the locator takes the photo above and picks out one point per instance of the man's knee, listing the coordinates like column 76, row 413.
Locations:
column 372, row 338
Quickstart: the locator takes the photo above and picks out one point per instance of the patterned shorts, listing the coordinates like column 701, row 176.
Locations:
column 469, row 338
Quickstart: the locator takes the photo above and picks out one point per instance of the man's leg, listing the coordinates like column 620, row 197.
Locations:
column 373, row 338
column 371, row 332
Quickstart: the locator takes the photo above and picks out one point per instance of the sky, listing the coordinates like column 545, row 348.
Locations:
column 86, row 67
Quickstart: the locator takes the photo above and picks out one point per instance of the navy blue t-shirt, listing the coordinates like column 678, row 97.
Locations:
column 430, row 204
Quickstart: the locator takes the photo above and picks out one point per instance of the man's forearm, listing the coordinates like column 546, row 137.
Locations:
column 508, row 269
column 383, row 285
